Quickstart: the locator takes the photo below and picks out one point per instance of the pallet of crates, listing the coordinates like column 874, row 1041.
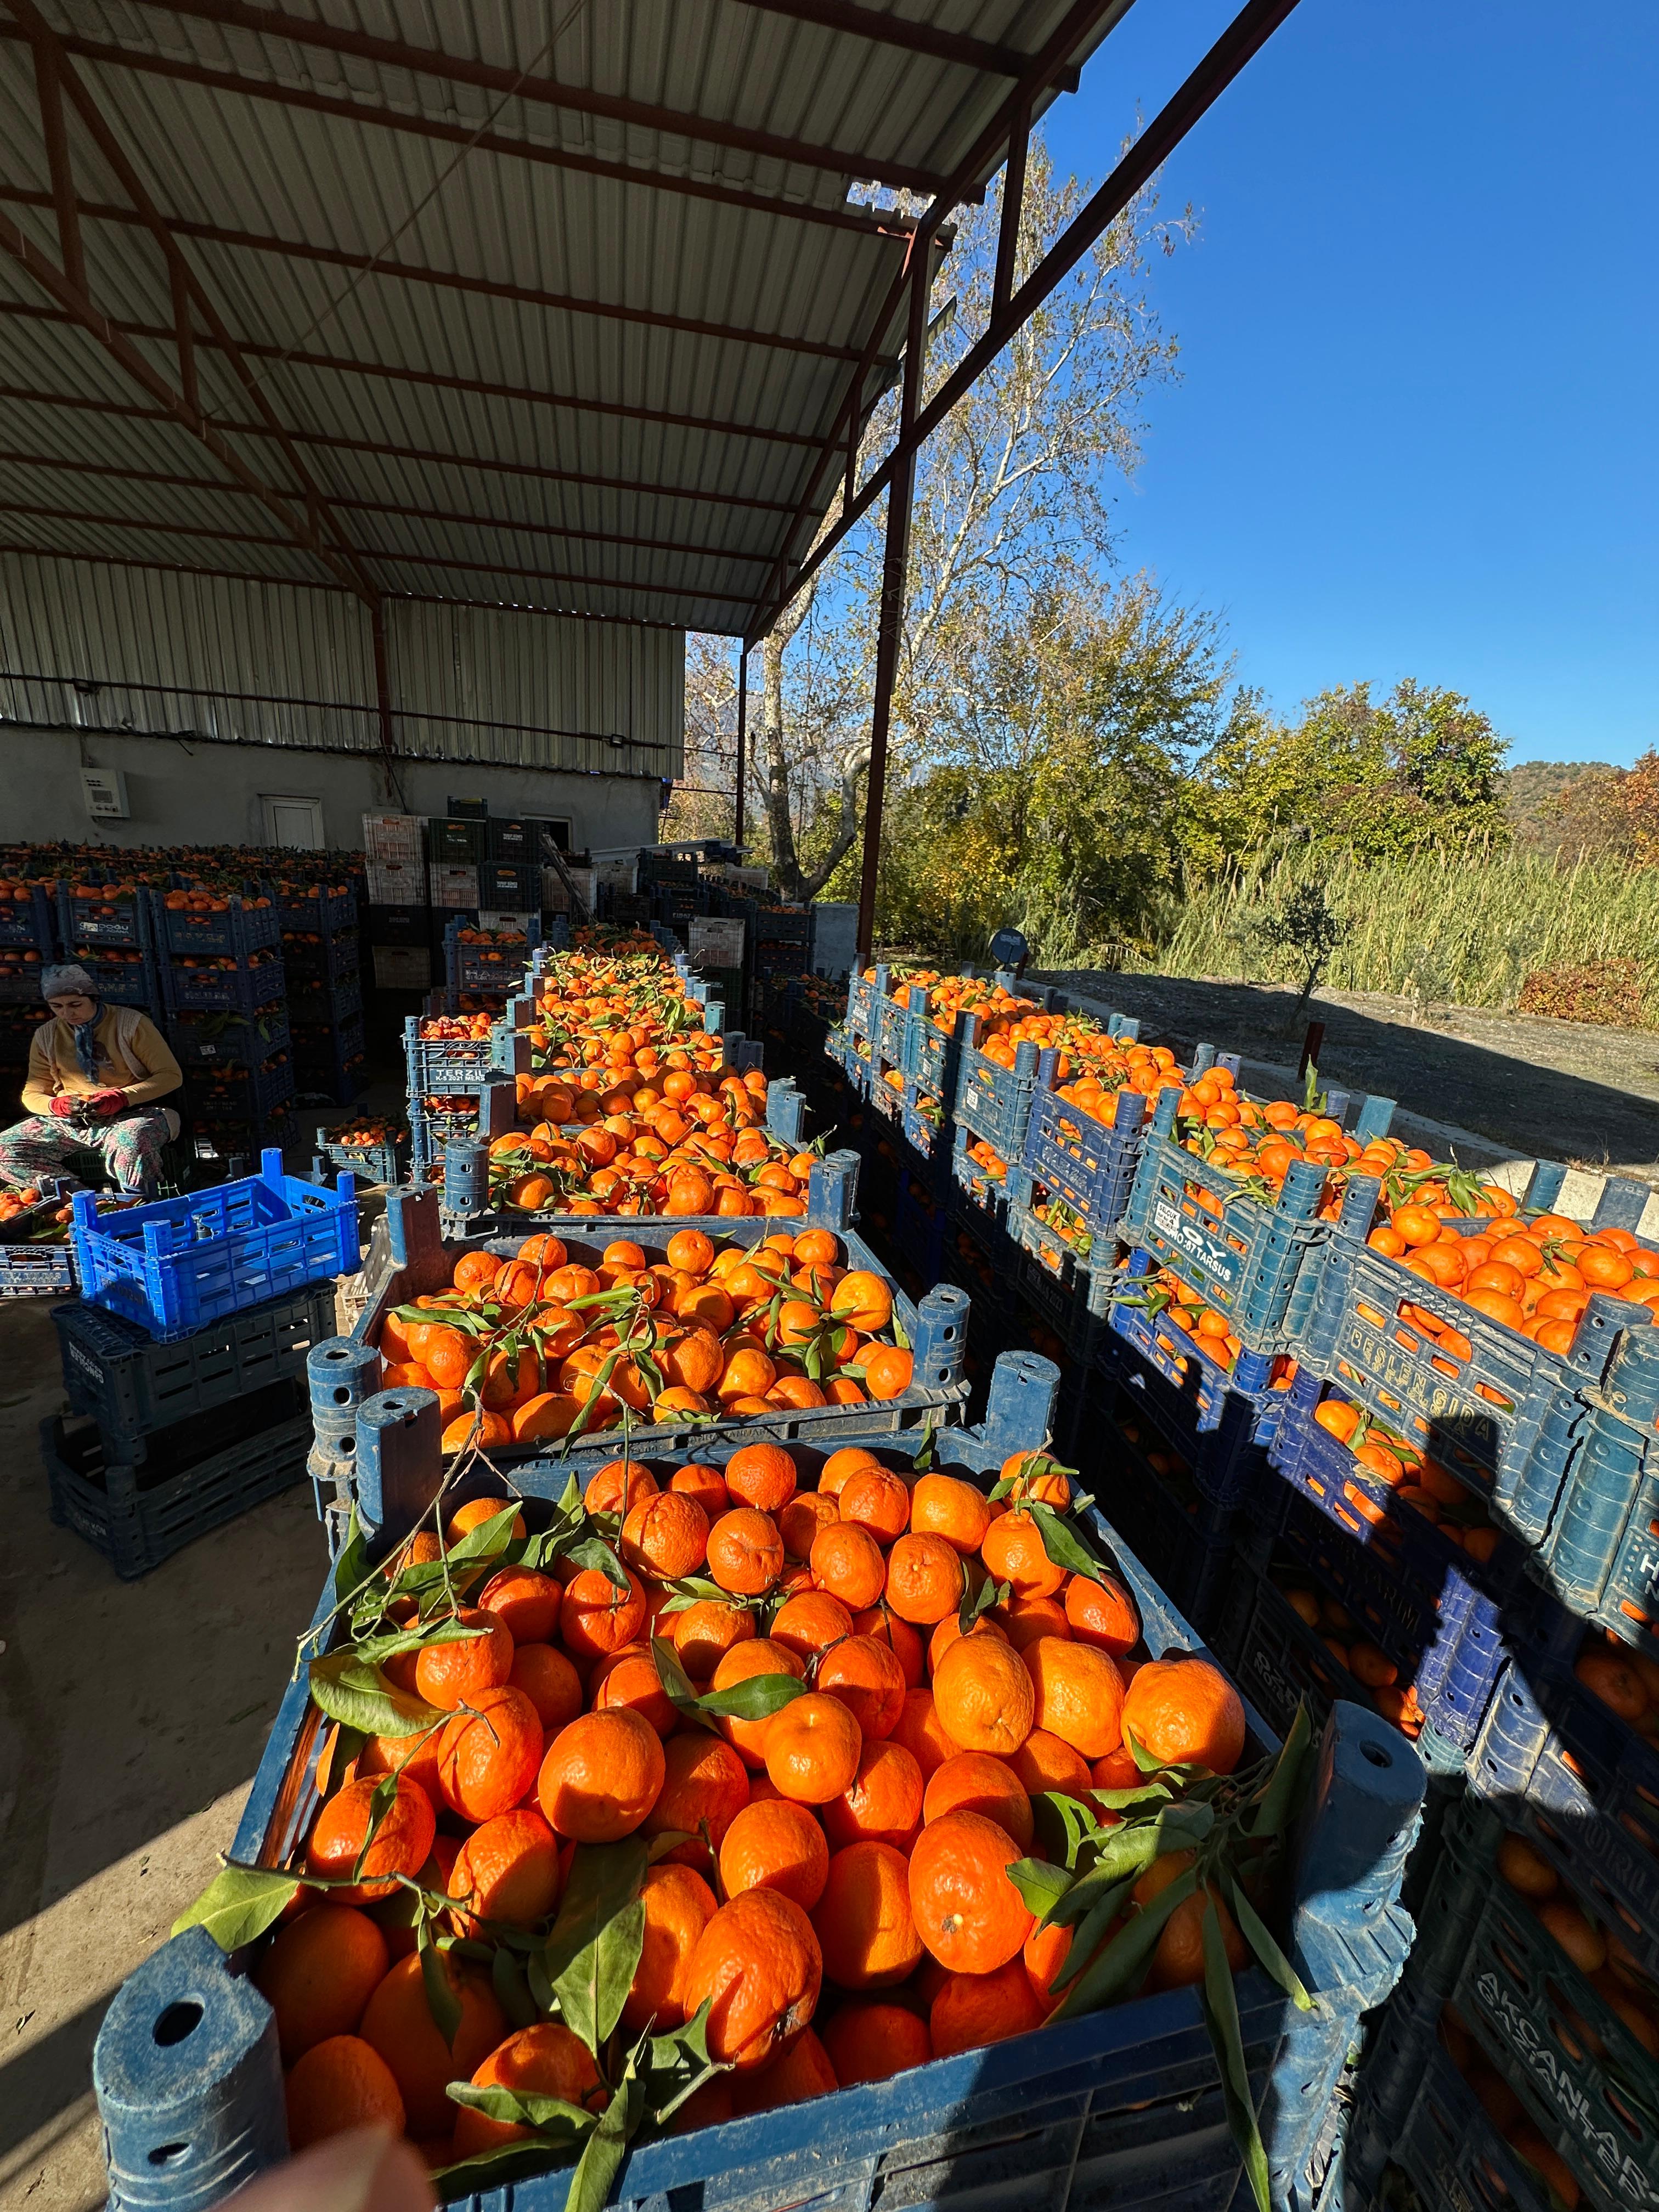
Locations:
column 1556, row 1439
column 178, row 1265
column 918, row 1347
column 1544, row 2001
column 165, row 1440
column 1125, row 2102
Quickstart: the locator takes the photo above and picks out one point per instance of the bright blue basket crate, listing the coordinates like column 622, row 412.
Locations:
column 236, row 990
column 1122, row 2106
column 1262, row 1266
column 132, row 1385
column 31, row 923
column 215, row 1037
column 175, row 1267
column 1222, row 1420
column 1579, row 1782
column 238, row 929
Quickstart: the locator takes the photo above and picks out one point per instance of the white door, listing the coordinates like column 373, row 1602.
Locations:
column 296, row 824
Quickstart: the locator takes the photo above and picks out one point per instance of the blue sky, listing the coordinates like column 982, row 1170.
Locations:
column 1416, row 429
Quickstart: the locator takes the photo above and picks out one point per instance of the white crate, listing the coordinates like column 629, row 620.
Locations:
column 394, row 837
column 450, row 885
column 396, row 882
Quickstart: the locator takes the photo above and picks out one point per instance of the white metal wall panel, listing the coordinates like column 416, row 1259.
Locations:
column 521, row 690
column 209, row 637
column 539, row 690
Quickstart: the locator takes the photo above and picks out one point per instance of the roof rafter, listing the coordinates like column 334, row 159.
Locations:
column 443, row 279
column 532, row 472
column 544, row 91
column 111, row 471
column 889, row 30
column 396, row 372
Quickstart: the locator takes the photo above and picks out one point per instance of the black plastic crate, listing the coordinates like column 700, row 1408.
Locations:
column 138, row 1515
column 208, row 1038
column 316, row 1003
column 454, row 843
column 118, row 1375
column 399, row 925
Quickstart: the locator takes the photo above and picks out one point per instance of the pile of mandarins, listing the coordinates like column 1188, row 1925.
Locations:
column 537, row 1348
column 773, row 1691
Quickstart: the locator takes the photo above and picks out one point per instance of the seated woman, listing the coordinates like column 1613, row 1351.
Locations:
column 96, row 1076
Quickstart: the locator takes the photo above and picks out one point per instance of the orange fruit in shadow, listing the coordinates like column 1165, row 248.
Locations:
column 881, row 1804
column 705, row 1785
column 870, row 2041
column 336, row 2084
column 705, row 1630
column 398, row 2023
column 545, row 2060
column 678, row 1905
column 974, row 2010
column 758, row 1966
column 319, row 1973
column 865, row 1925
column 508, row 1869
column 922, row 1733
column 551, row 1682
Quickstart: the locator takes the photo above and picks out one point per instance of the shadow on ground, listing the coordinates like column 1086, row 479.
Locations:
column 1507, row 1095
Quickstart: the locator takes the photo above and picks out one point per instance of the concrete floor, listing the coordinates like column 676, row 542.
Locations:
column 132, row 1715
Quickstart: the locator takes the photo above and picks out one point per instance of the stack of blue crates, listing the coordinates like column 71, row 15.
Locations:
column 322, row 959
column 228, row 1019
column 112, row 930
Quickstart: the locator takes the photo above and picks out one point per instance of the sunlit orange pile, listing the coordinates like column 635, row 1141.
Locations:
column 533, row 1349
column 829, row 1869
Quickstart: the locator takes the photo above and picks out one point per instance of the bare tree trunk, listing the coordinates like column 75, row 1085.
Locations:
column 853, row 765
column 778, row 820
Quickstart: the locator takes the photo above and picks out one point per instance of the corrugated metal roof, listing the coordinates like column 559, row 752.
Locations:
column 559, row 302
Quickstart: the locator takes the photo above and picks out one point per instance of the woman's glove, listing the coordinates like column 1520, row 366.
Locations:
column 63, row 1106
column 106, row 1104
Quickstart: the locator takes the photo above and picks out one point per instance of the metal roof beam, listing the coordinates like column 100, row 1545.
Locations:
column 1243, row 38
column 532, row 472
column 56, row 76
column 112, row 471
column 443, row 279
column 886, row 30
column 546, row 91
column 860, row 221
column 395, row 373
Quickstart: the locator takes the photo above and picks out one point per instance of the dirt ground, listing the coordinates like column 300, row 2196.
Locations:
column 1514, row 1083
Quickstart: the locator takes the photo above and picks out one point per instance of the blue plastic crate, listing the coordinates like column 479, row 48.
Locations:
column 1088, row 1167
column 82, row 928
column 382, row 1163
column 935, row 1329
column 984, row 1196
column 132, row 980
column 37, row 1271
column 249, row 1094
column 1582, row 1783
column 442, row 1066
column 1262, row 1266
column 484, row 1110
column 327, row 913
column 326, row 958
column 1222, row 1420
column 1122, row 2106
column 131, row 1385
column 1506, row 1420
column 1446, row 2147
column 183, row 1263
column 779, row 926
column 919, row 1225
column 314, row 1002
column 202, row 1038
column 993, row 1101
column 31, row 923
column 239, row 930
column 1537, row 2020
column 240, row 990
column 1422, row 1596
column 138, row 1515
column 1185, row 1540
column 1072, row 1290
column 487, row 967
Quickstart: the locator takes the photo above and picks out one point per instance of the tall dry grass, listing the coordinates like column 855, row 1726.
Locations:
column 1444, row 929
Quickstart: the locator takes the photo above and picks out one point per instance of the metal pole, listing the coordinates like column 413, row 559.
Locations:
column 895, row 565
column 743, row 732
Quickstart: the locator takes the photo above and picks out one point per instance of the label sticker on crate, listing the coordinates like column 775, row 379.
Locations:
column 1171, row 1223
column 716, row 942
